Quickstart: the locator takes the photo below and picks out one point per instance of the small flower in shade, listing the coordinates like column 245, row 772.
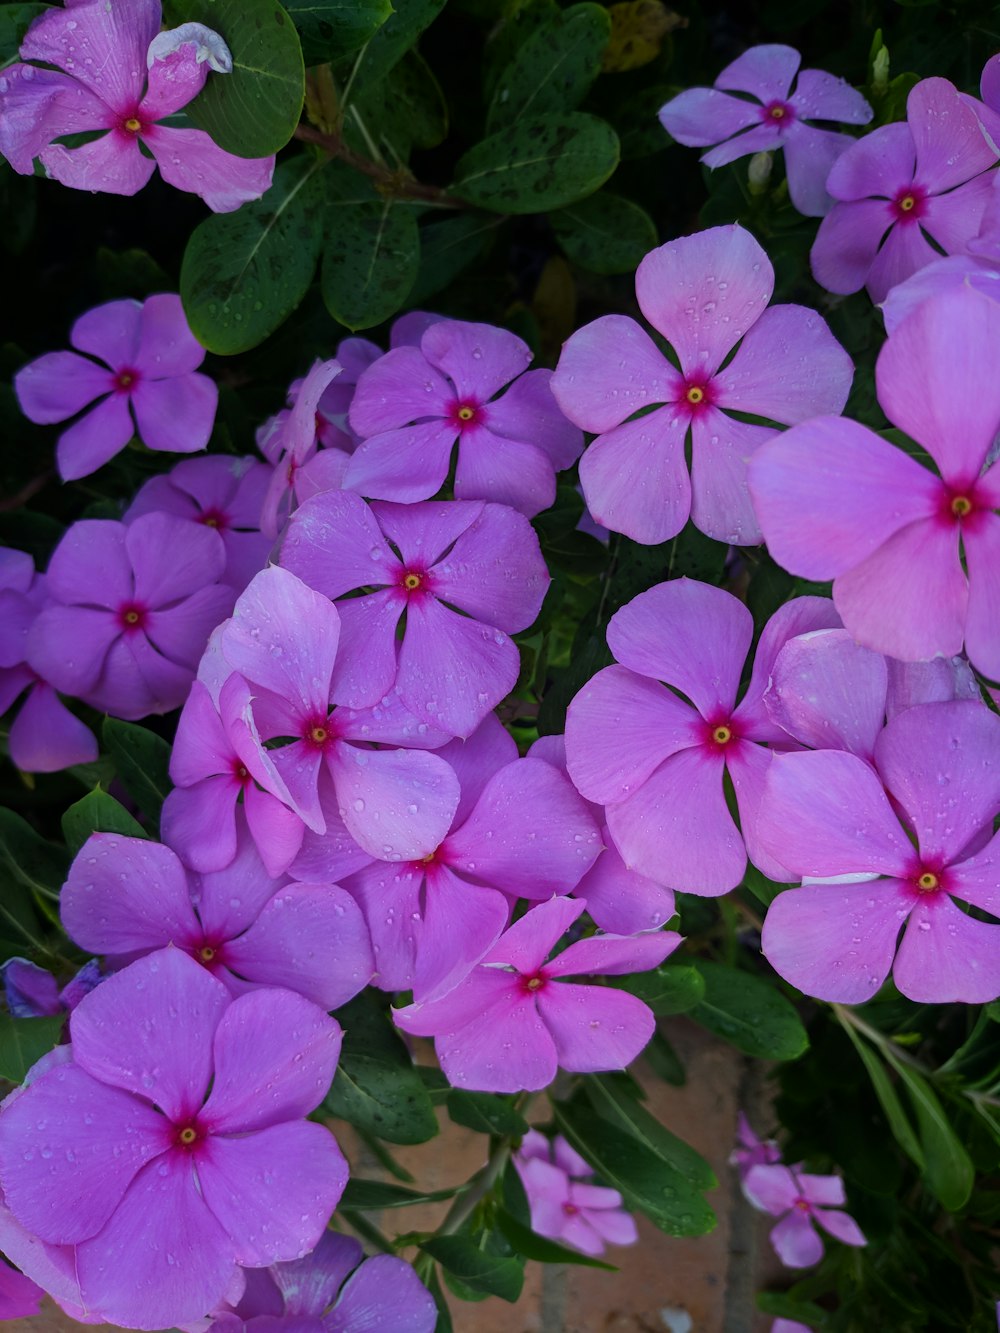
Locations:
column 45, row 736
column 125, row 897
column 221, row 493
column 707, row 295
column 828, row 815
column 564, row 1207
column 914, row 552
column 766, row 114
column 466, row 575
column 752, row 1151
column 20, row 1298
column 519, row 831
column 789, row 1326
column 148, row 384
column 803, row 1202
column 130, row 611
column 927, row 176
column 414, row 407
column 657, row 762
column 514, row 1020
column 109, row 74
column 172, row 1140
column 290, row 441
column 31, row 992
column 333, row 1290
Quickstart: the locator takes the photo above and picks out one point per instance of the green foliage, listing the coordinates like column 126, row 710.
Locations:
column 331, row 29
column 15, row 20
column 485, row 1112
column 23, row 1041
column 468, row 1267
column 371, row 255
column 141, row 760
column 749, row 1012
column 605, row 233
column 553, row 69
column 97, row 812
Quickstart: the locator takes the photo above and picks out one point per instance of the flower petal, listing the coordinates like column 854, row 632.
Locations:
column 828, row 693
column 608, row 370
column 397, row 804
column 479, row 359
column 334, row 544
column 39, row 105
column 171, row 559
column 385, row 1293
column 46, row 737
column 982, row 635
column 950, row 144
column 59, row 384
column 404, row 465
column 177, row 414
column 190, row 160
column 796, row 1241
column 98, row 435
column 508, row 472
column 698, row 117
column 848, row 240
column 495, row 571
column 766, row 71
column 112, row 164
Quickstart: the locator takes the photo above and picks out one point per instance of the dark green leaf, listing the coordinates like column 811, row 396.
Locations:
column 409, row 111
column 486, row 1113
column 244, row 273
column 646, row 1181
column 395, row 37
column 371, row 1196
column 370, row 261
column 330, row 29
column 492, row 1274
column 97, row 812
column 888, row 1098
column 15, row 21
column 750, row 1013
column 142, row 761
column 948, row 1172
column 23, row 1041
column 668, row 990
column 605, row 234
column 553, row 68
column 664, row 1060
column 610, row 1099
column 538, row 164
column 254, row 110
column 447, row 247
column 28, row 859
column 533, row 1246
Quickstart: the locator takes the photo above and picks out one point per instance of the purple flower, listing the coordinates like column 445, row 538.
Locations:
column 333, row 1290
column 927, row 174
column 45, row 736
column 290, row 440
column 126, row 897
column 655, row 761
column 153, row 359
column 837, row 501
column 520, row 831
column 100, row 82
column 704, row 293
column 20, row 1298
column 828, row 815
column 573, row 1211
column 466, row 575
column 162, row 1186
column 31, row 992
column 513, row 1022
column 803, row 1203
column 130, row 610
column 413, row 406
column 775, row 118
column 752, row 1151
column 221, row 493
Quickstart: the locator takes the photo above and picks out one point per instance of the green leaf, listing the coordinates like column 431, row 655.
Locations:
column 533, row 1246
column 253, row 111
column 97, row 812
column 371, row 1196
column 493, row 1274
column 370, row 261
column 645, row 1180
column 750, row 1013
column 609, row 1098
column 540, row 163
column 15, row 20
column 377, row 1087
column 553, row 69
column 408, row 111
column 329, row 29
column 28, row 859
column 447, row 247
column 669, row 990
column 486, row 1113
column 244, row 273
column 899, row 1122
column 142, row 761
column 23, row 1041
column 605, row 234
column 948, row 1172
column 395, row 37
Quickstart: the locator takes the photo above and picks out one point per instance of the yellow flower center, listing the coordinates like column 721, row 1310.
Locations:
column 412, row 581
column 318, row 735
column 722, row 735
column 695, row 395
column 206, row 953
column 928, row 882
column 907, row 203
column 133, row 125
column 466, row 413
column 961, row 505
column 187, row 1136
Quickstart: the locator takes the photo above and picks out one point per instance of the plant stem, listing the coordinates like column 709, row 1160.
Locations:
column 393, row 184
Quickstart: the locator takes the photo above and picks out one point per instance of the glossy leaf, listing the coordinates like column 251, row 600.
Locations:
column 605, row 233
column 97, row 812
column 948, row 1171
column 478, row 1269
column 329, row 29
column 142, row 761
column 371, row 1196
column 545, row 1251
column 750, row 1013
column 371, row 258
column 668, row 990
column 553, row 69
column 486, row 1113
column 15, row 20
column 23, row 1041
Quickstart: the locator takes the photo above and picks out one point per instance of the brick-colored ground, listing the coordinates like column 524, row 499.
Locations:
column 663, row 1285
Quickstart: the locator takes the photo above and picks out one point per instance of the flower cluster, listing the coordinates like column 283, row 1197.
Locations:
column 565, row 1203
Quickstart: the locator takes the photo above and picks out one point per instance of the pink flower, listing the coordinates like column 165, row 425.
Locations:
column 290, row 441
column 831, row 816
column 100, row 52
column 752, row 1151
column 31, row 992
column 927, row 174
column 775, row 118
column 126, row 897
column 130, row 610
column 655, row 761
column 20, row 1298
column 574, row 1211
column 803, row 1203
column 706, row 294
column 153, row 359
column 513, row 1022
column 162, row 1186
column 837, row 501
column 221, row 493
column 466, row 574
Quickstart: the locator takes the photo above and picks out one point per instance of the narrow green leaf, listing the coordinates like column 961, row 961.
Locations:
column 485, row 1112
column 97, row 812
column 252, row 111
column 553, row 68
column 244, row 273
column 538, row 164
column 610, row 1100
column 493, row 1274
column 545, row 1251
column 899, row 1123
column 605, row 233
column 371, row 1196
column 142, row 762
column 370, row 261
column 948, row 1172
column 750, row 1013
column 23, row 1041
column 28, row 859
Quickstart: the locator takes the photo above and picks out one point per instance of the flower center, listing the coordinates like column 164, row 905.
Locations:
column 961, row 505
column 695, row 394
column 570, row 1209
column 909, row 203
column 928, row 882
column 802, row 1205
column 206, row 953
column 465, row 414
column 124, row 380
column 213, row 518
column 426, row 860
column 412, row 581
column 187, row 1136
column 240, row 772
column 319, row 735
column 131, row 617
column 534, row 983
column 777, row 114
column 722, row 734
column 133, row 124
